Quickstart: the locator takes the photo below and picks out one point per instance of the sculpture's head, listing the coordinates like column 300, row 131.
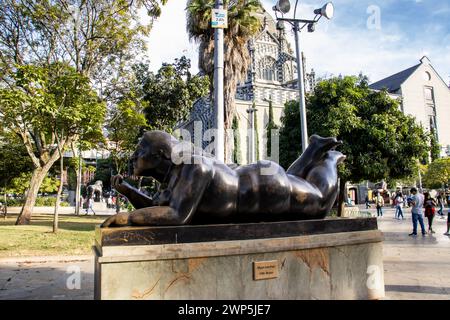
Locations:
column 153, row 154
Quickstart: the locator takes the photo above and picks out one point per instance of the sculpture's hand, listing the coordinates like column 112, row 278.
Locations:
column 120, row 219
column 120, row 185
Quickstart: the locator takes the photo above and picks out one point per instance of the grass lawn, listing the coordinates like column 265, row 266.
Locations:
column 75, row 236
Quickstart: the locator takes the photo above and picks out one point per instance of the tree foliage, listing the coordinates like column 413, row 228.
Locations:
column 47, row 107
column 125, row 126
column 94, row 37
column 269, row 127
column 170, row 93
column 380, row 142
column 20, row 184
column 437, row 174
column 237, row 157
column 14, row 159
column 256, row 131
column 435, row 152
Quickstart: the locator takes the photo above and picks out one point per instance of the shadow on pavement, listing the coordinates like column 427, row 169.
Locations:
column 418, row 289
column 47, row 281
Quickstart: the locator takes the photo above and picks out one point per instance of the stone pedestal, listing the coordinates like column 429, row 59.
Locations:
column 326, row 259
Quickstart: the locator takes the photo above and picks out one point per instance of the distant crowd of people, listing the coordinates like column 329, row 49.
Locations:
column 109, row 199
column 422, row 206
column 425, row 205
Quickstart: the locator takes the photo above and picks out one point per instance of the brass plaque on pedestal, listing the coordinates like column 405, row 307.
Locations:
column 263, row 270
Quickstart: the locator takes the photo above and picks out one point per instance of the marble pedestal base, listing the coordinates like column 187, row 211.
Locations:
column 326, row 259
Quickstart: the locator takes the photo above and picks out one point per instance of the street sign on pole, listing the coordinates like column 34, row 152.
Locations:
column 219, row 18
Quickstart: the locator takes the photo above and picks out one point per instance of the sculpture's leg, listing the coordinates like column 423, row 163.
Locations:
column 152, row 216
column 314, row 196
column 316, row 150
column 118, row 220
column 155, row 216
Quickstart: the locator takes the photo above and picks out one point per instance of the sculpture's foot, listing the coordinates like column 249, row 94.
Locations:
column 322, row 145
column 117, row 220
column 316, row 151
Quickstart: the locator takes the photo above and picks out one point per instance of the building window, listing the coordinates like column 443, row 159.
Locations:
column 267, row 69
column 429, row 94
column 431, row 110
column 432, row 123
column 427, row 76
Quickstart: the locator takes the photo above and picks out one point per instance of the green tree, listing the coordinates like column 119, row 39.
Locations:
column 380, row 142
column 170, row 94
column 94, row 37
column 437, row 174
column 255, row 125
column 14, row 159
column 21, row 184
column 269, row 127
column 125, row 126
column 435, row 152
column 243, row 23
column 48, row 107
column 237, row 157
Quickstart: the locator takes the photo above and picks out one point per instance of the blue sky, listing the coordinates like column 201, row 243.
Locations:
column 358, row 39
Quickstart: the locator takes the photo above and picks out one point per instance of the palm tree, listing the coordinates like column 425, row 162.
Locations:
column 243, row 24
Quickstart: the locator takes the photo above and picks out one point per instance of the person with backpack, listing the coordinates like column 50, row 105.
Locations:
column 430, row 211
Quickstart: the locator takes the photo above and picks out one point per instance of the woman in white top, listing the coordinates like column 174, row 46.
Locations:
column 399, row 206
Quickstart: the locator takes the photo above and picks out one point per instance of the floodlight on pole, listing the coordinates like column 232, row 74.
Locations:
column 326, row 11
column 283, row 6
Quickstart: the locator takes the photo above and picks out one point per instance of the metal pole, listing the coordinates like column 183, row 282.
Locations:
column 78, row 189
column 420, row 181
column 301, row 88
column 218, row 90
column 251, row 148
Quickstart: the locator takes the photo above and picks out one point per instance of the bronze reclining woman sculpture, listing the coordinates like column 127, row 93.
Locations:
column 204, row 190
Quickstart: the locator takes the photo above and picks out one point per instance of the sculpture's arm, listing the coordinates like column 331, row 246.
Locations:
column 137, row 198
column 186, row 196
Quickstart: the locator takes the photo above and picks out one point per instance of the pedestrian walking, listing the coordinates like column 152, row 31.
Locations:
column 399, row 206
column 89, row 205
column 367, row 202
column 430, row 211
column 405, row 201
column 417, row 201
column 379, row 202
column 440, row 202
column 448, row 223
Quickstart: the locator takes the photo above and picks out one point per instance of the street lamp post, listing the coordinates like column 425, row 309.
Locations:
column 219, row 138
column 301, row 86
column 252, row 143
column 327, row 11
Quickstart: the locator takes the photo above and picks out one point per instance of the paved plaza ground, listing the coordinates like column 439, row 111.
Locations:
column 415, row 268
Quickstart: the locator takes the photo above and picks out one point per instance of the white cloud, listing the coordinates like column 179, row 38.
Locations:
column 168, row 39
column 333, row 49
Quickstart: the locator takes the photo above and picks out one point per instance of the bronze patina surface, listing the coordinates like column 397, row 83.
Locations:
column 199, row 189
column 159, row 235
